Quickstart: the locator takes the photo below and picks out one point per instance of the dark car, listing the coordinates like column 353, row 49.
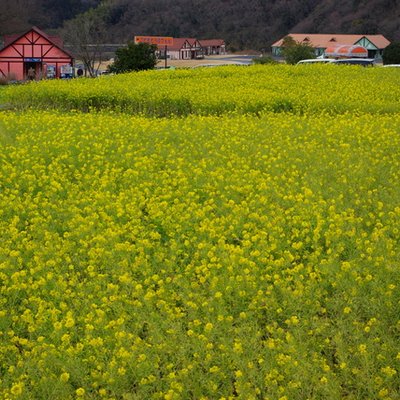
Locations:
column 365, row 62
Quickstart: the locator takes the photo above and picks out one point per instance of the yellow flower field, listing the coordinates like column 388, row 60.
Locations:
column 284, row 88
column 216, row 255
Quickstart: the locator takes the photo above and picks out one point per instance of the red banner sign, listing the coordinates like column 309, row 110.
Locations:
column 158, row 40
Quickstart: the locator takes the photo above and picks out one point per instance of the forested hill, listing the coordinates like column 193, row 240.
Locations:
column 244, row 24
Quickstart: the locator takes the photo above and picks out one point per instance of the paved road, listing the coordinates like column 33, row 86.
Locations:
column 210, row 61
column 244, row 59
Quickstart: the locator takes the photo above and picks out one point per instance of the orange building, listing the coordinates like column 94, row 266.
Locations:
column 375, row 44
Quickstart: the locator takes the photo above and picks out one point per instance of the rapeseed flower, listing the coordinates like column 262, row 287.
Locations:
column 252, row 254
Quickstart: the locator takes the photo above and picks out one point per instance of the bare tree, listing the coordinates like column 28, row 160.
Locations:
column 85, row 35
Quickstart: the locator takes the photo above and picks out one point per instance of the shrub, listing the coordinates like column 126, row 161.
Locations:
column 264, row 60
column 134, row 57
column 391, row 55
column 295, row 52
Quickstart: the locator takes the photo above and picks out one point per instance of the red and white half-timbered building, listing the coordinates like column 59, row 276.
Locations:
column 213, row 46
column 191, row 48
column 33, row 55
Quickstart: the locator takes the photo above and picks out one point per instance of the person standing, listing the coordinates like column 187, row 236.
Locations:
column 31, row 74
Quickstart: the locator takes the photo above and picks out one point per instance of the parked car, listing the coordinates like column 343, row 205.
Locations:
column 316, row 61
column 391, row 65
column 365, row 62
column 227, row 64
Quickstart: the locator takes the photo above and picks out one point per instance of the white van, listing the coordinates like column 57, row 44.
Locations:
column 316, row 61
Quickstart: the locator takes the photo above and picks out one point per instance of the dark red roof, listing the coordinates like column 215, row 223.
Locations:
column 180, row 42
column 55, row 40
column 8, row 39
column 212, row 42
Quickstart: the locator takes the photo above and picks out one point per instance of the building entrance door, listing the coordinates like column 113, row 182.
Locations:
column 32, row 70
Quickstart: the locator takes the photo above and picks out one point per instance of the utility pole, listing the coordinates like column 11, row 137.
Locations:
column 159, row 41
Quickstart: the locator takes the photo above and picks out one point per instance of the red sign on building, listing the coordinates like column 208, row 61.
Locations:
column 158, row 40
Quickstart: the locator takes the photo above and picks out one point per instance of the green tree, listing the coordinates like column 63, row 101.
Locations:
column 293, row 52
column 134, row 57
column 391, row 54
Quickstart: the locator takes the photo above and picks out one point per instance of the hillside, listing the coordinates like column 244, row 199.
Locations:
column 243, row 24
column 19, row 15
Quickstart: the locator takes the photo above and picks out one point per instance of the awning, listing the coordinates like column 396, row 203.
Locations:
column 346, row 51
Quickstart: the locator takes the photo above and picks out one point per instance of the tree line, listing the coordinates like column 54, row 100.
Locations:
column 243, row 24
